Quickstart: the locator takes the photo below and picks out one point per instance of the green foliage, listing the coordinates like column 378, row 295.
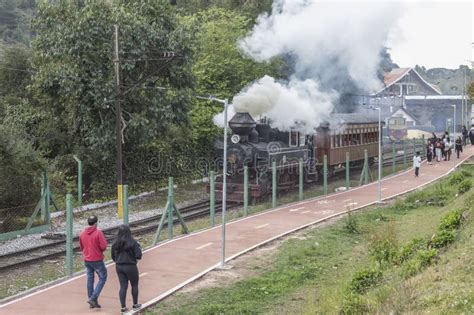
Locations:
column 464, row 186
column 383, row 245
column 423, row 259
column 443, row 238
column 451, row 221
column 456, row 178
column 353, row 304
column 351, row 226
column 409, row 249
column 365, row 279
column 20, row 169
column 74, row 83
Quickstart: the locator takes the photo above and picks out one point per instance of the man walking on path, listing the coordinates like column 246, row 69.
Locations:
column 93, row 245
column 417, row 163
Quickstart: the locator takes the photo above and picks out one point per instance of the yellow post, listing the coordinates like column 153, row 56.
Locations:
column 120, row 201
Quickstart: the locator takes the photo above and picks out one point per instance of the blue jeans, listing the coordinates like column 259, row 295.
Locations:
column 91, row 268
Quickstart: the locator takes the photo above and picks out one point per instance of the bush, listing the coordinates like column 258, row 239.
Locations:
column 351, row 226
column 464, row 186
column 466, row 173
column 426, row 256
column 365, row 279
column 443, row 238
column 451, row 221
column 423, row 259
column 353, row 304
column 409, row 249
column 456, row 178
column 383, row 245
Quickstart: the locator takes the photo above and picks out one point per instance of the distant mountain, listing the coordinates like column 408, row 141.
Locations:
column 450, row 81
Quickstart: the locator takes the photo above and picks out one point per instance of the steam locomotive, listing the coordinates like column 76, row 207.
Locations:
column 257, row 146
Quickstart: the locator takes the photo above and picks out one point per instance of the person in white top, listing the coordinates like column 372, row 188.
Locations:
column 417, row 163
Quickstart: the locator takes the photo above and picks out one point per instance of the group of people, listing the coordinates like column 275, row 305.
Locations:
column 440, row 149
column 125, row 253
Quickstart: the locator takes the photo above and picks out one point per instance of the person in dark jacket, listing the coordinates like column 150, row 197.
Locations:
column 93, row 245
column 458, row 146
column 125, row 252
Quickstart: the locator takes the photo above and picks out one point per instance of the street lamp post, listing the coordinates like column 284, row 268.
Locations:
column 224, row 170
column 380, row 154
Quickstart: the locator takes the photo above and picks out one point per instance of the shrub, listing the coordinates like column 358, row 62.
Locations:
column 456, row 178
column 466, row 173
column 426, row 256
column 409, row 249
column 365, row 279
column 443, row 238
column 423, row 259
column 464, row 186
column 383, row 245
column 353, row 304
column 451, row 221
column 351, row 226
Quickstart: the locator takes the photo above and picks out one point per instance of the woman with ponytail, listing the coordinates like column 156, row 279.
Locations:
column 125, row 252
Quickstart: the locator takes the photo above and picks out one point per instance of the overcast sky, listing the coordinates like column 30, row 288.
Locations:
column 433, row 34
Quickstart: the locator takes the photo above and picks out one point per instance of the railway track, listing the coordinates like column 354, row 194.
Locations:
column 139, row 227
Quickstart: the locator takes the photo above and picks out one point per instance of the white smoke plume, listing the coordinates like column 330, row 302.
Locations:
column 333, row 44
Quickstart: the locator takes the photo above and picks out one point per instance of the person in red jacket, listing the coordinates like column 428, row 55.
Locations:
column 93, row 245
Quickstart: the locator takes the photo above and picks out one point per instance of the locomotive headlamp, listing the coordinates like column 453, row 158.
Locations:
column 235, row 139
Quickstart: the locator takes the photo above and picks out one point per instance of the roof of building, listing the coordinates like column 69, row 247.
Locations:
column 355, row 118
column 434, row 97
column 397, row 74
column 401, row 109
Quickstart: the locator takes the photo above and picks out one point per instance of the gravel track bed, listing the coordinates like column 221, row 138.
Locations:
column 107, row 218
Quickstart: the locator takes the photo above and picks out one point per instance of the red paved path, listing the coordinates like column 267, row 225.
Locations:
column 171, row 265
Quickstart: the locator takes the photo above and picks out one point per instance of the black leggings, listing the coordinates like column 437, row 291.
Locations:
column 127, row 272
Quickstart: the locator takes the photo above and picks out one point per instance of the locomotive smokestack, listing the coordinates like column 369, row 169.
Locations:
column 242, row 124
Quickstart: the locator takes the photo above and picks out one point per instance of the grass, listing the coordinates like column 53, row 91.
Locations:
column 314, row 273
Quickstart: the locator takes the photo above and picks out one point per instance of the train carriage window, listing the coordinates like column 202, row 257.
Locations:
column 302, row 139
column 293, row 141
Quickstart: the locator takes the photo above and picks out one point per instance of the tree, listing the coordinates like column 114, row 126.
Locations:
column 74, row 81
column 20, row 166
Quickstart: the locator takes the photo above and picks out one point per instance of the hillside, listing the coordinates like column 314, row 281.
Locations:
column 450, row 81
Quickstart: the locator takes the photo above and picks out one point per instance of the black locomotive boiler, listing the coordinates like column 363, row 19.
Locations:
column 257, row 145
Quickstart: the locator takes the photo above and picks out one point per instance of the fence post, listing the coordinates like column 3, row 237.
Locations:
column 414, row 146
column 212, row 192
column 79, row 180
column 125, row 204
column 347, row 170
column 301, row 176
column 69, row 229
column 394, row 157
column 404, row 154
column 274, row 184
column 246, row 190
column 366, row 167
column 170, row 207
column 325, row 175
column 44, row 196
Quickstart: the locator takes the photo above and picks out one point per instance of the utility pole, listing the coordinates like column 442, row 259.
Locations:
column 118, row 126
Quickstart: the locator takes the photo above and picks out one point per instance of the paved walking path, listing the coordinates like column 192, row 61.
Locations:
column 171, row 265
